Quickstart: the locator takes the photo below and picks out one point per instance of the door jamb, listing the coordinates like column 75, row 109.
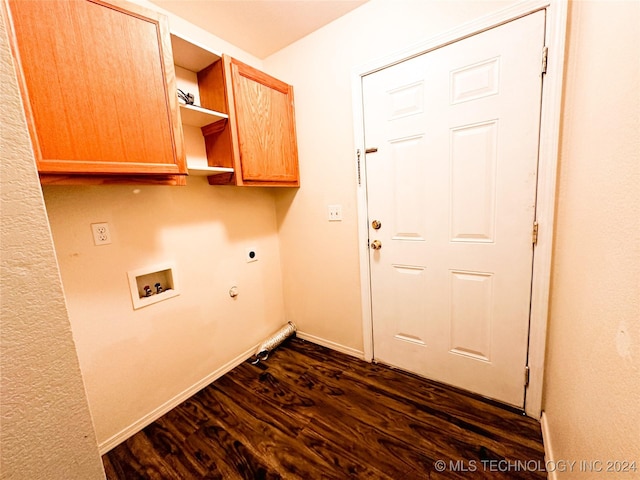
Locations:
column 551, row 109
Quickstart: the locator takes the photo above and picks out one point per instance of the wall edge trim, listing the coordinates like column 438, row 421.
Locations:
column 546, row 441
column 152, row 416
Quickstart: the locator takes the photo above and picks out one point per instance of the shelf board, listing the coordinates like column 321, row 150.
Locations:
column 191, row 55
column 198, row 116
column 208, row 171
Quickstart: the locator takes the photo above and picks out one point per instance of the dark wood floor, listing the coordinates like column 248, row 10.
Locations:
column 312, row 413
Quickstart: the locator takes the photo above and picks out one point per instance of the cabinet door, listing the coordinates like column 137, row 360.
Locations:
column 99, row 87
column 264, row 116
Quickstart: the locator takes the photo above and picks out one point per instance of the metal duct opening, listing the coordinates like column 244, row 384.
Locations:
column 272, row 342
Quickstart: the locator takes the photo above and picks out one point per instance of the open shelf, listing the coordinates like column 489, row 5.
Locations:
column 208, row 171
column 191, row 55
column 197, row 162
column 190, row 58
column 198, row 116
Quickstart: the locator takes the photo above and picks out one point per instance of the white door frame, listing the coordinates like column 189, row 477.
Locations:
column 555, row 34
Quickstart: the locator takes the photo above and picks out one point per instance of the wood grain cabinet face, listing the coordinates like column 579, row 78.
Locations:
column 260, row 136
column 99, row 88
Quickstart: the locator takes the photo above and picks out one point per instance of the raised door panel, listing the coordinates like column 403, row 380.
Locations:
column 99, row 87
column 452, row 179
column 265, row 123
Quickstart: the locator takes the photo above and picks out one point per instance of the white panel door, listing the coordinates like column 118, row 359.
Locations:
column 453, row 184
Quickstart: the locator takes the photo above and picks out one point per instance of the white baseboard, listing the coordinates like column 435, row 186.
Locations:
column 151, row 417
column 332, row 345
column 546, row 440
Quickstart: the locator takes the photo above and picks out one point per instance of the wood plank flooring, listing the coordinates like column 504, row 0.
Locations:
column 311, row 413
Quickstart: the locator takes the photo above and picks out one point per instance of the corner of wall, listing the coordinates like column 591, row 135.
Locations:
column 47, row 430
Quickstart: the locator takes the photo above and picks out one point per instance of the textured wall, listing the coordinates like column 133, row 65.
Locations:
column 46, row 429
column 592, row 386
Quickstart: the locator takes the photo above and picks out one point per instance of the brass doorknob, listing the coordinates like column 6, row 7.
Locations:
column 376, row 244
column 376, row 224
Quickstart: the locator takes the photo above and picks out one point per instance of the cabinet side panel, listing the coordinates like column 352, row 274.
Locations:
column 218, row 147
column 211, row 88
column 97, row 87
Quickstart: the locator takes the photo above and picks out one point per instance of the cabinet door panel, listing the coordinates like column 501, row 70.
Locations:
column 265, row 126
column 98, row 87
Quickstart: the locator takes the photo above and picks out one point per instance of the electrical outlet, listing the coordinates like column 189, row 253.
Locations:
column 101, row 233
column 252, row 255
column 335, row 213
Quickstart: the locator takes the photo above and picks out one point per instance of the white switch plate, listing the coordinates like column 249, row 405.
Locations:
column 101, row 233
column 335, row 213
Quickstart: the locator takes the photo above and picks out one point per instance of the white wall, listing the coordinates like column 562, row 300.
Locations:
column 46, row 425
column 593, row 373
column 137, row 364
column 134, row 361
column 593, row 370
column 196, row 34
column 320, row 259
column 592, row 387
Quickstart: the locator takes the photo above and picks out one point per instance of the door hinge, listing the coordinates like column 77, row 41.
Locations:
column 534, row 234
column 359, row 178
column 526, row 376
column 545, row 57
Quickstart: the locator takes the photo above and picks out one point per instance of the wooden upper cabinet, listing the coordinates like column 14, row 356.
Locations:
column 259, row 139
column 99, row 89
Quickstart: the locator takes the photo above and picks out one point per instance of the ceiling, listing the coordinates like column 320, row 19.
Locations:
column 260, row 27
